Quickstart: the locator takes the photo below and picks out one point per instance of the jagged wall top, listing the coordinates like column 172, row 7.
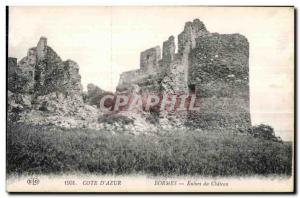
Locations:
column 42, row 71
column 187, row 38
column 41, row 48
column 151, row 60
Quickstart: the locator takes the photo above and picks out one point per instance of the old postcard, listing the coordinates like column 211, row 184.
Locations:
column 150, row 99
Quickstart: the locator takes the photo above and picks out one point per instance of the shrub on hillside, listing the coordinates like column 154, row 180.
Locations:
column 265, row 132
column 115, row 118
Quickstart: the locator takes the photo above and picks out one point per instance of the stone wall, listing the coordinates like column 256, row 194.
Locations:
column 168, row 53
column 149, row 59
column 213, row 66
column 131, row 77
column 41, row 49
column 11, row 73
column 219, row 74
column 45, row 90
column 42, row 71
column 187, row 38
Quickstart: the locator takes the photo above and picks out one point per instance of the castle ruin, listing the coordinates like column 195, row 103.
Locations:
column 213, row 66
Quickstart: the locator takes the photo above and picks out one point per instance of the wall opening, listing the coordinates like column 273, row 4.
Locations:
column 192, row 88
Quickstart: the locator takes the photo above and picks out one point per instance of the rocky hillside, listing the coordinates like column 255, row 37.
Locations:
column 45, row 90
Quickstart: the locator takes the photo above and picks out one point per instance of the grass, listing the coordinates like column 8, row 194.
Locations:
column 48, row 149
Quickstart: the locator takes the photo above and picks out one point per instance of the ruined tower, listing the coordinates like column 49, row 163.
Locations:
column 42, row 71
column 213, row 66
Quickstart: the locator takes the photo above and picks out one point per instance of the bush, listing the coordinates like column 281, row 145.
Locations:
column 113, row 118
column 264, row 132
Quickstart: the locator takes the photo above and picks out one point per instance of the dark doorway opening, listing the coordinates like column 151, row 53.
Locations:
column 192, row 88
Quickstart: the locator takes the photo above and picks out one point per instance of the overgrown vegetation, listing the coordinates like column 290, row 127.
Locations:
column 263, row 131
column 48, row 149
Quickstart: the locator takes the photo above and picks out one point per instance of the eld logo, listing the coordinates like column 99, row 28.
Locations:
column 33, row 181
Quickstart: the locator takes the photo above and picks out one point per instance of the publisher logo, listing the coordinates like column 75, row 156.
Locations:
column 33, row 181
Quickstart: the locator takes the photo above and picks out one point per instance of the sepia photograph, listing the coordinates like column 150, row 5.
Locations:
column 150, row 99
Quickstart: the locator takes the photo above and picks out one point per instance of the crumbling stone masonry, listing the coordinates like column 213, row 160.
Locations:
column 45, row 90
column 213, row 66
column 42, row 72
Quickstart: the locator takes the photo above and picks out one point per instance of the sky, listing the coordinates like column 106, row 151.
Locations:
column 106, row 41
